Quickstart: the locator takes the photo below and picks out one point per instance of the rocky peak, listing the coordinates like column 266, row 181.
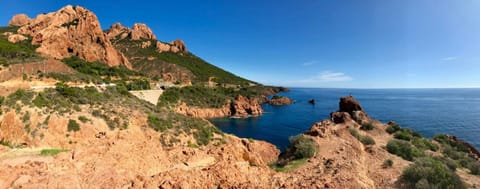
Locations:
column 180, row 45
column 19, row 20
column 72, row 31
column 142, row 31
column 349, row 104
column 349, row 109
column 118, row 29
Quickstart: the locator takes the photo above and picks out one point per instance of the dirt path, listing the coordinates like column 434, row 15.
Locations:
column 148, row 95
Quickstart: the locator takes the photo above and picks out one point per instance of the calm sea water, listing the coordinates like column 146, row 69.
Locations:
column 429, row 111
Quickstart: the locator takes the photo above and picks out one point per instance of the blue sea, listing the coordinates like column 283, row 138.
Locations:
column 428, row 111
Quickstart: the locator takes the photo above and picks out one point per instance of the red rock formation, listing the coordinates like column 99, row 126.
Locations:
column 19, row 20
column 15, row 38
column 72, row 31
column 141, row 31
column 349, row 104
column 243, row 107
column 240, row 107
column 281, row 100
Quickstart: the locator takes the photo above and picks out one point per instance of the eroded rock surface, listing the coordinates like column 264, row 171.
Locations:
column 72, row 31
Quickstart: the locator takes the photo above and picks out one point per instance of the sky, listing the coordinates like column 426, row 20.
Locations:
column 310, row 43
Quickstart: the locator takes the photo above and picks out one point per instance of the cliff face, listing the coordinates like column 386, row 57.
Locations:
column 240, row 107
column 71, row 31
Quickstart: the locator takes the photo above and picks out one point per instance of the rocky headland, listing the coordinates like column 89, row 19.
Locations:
column 57, row 130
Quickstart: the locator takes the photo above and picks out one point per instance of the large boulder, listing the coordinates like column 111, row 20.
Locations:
column 180, row 45
column 142, row 31
column 349, row 104
column 243, row 107
column 116, row 30
column 19, row 20
column 280, row 100
column 340, row 117
column 15, row 38
column 72, row 31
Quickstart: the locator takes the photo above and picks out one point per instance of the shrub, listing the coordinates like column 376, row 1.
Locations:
column 83, row 119
column 302, row 147
column 73, row 126
column 20, row 95
column 367, row 126
column 204, row 135
column 367, row 140
column 458, row 146
column 52, row 152
column 387, row 163
column 430, row 173
column 40, row 100
column 364, row 139
column 392, row 128
column 157, row 123
column 1, row 100
column 424, row 144
column 403, row 149
column 402, row 135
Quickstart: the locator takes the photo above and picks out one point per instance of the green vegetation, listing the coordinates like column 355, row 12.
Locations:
column 292, row 165
column 94, row 70
column 20, row 95
column 20, row 52
column 392, row 128
column 199, row 70
column 387, row 163
column 52, row 152
column 367, row 126
column 430, row 173
column 364, row 139
column 204, row 97
column 74, row 22
column 424, row 144
column 83, row 119
column 458, row 153
column 403, row 149
column 73, row 126
column 406, row 134
column 300, row 149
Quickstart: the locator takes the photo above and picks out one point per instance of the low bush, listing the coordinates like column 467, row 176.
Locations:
column 458, row 146
column 20, row 95
column 392, row 128
column 430, row 173
column 367, row 126
column 403, row 149
column 52, row 152
column 73, row 126
column 367, row 140
column 83, row 119
column 364, row 139
column 424, row 144
column 387, row 163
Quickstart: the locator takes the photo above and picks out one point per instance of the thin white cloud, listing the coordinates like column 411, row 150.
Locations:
column 328, row 76
column 309, row 63
column 450, row 58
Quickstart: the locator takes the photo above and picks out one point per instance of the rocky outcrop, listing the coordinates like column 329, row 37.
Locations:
column 349, row 104
column 280, row 100
column 244, row 107
column 118, row 29
column 196, row 112
column 349, row 109
column 142, row 31
column 72, row 31
column 240, row 107
column 19, row 20
column 178, row 45
column 321, row 129
column 15, row 38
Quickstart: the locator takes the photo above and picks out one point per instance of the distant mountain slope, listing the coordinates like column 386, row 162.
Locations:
column 148, row 56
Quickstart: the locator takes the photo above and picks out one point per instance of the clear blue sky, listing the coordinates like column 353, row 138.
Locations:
column 310, row 43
